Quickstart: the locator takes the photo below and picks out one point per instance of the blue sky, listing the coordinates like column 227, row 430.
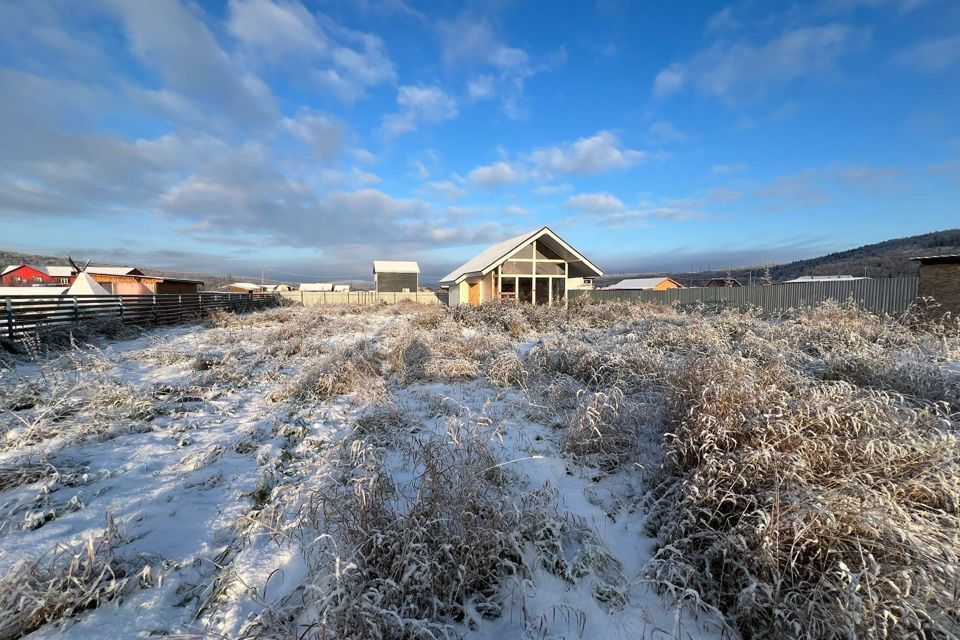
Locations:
column 313, row 137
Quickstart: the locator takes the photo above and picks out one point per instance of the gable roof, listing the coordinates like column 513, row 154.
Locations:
column 395, row 266
column 53, row 271
column 641, row 283
column 493, row 255
column 58, row 271
column 116, row 271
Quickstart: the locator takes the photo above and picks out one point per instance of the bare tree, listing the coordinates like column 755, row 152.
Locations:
column 767, row 277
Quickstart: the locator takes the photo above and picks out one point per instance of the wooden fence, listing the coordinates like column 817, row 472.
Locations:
column 880, row 295
column 24, row 314
column 309, row 298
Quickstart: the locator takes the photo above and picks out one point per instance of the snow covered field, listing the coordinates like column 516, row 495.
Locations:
column 353, row 472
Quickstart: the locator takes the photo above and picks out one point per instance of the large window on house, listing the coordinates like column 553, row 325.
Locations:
column 549, row 269
column 514, row 267
column 525, row 252
column 546, row 253
column 559, row 289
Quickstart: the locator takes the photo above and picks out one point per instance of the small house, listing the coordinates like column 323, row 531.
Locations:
column 341, row 288
column 244, row 287
column 660, row 283
column 395, row 276
column 714, row 283
column 537, row 267
column 940, row 280
column 26, row 275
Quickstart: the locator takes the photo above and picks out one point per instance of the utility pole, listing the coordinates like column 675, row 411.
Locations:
column 262, row 271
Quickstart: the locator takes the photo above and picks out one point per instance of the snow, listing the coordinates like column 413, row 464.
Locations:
column 181, row 487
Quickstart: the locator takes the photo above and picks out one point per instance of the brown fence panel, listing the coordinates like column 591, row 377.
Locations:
column 30, row 313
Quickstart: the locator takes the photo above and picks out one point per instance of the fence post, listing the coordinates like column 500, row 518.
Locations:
column 9, row 306
column 180, row 302
column 121, row 309
column 76, row 312
column 153, row 310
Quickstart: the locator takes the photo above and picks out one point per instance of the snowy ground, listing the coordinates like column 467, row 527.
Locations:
column 187, row 448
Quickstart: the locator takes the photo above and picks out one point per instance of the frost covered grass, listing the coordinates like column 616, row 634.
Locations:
column 420, row 472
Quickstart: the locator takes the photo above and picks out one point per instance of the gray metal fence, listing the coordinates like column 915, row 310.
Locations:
column 881, row 295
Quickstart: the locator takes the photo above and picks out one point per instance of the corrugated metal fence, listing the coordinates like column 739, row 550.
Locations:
column 309, row 298
column 28, row 313
column 880, row 295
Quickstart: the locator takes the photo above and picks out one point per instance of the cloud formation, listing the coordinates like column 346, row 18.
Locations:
column 418, row 105
column 738, row 71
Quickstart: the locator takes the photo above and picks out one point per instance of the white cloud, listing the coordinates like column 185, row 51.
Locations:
column 596, row 203
column 722, row 20
column 842, row 6
column 933, row 55
column 363, row 156
column 321, row 132
column 665, row 132
column 737, row 71
column 585, row 156
column 172, row 39
column 724, row 169
column 470, row 41
column 514, row 210
column 419, row 170
column 275, row 29
column 344, row 62
column 446, row 189
column 418, row 105
column 494, row 175
column 481, row 88
column 553, row 189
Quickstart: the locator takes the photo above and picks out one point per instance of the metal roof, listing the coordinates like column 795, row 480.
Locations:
column 944, row 259
column 316, row 286
column 640, row 283
column 53, row 271
column 824, row 278
column 395, row 266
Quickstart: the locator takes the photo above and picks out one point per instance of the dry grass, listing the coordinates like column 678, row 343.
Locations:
column 351, row 368
column 64, row 583
column 803, row 472
column 809, row 508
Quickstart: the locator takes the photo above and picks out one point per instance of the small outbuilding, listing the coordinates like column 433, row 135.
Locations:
column 940, row 280
column 661, row 283
column 715, row 283
column 244, row 287
column 396, row 276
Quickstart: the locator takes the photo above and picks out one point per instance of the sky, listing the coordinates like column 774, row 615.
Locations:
column 309, row 138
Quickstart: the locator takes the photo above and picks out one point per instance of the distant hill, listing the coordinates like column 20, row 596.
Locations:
column 887, row 259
